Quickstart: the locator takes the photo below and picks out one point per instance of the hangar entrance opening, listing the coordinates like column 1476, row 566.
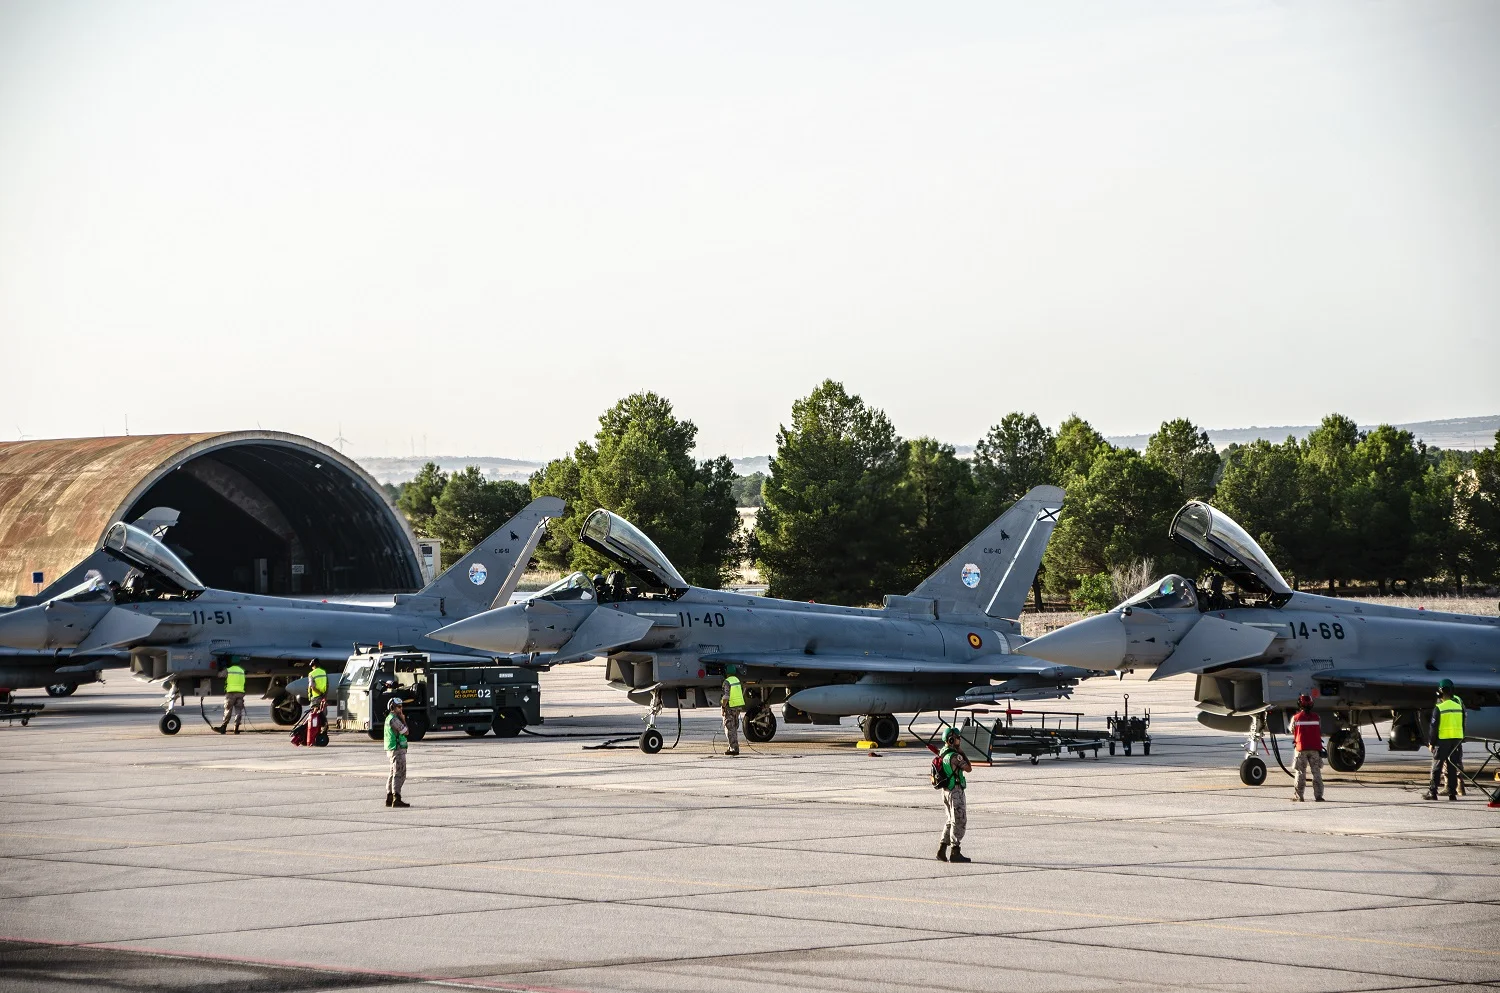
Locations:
column 269, row 518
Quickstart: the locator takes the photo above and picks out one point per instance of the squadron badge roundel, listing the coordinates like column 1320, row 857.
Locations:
column 970, row 575
column 478, row 574
column 975, row 641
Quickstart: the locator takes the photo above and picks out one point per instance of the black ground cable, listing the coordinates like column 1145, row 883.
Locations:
column 612, row 742
column 1277, row 749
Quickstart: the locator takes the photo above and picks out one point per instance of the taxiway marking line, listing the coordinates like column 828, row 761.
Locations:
column 804, row 890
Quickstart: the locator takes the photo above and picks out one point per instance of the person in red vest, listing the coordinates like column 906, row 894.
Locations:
column 1307, row 738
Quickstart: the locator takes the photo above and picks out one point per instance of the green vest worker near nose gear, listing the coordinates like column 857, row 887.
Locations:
column 234, row 697
column 317, row 682
column 1446, row 735
column 731, row 706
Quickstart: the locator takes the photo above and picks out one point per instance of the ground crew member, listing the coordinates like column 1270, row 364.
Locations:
column 732, row 705
column 952, row 764
column 1446, row 736
column 1307, row 738
column 395, row 750
column 317, row 682
column 234, row 697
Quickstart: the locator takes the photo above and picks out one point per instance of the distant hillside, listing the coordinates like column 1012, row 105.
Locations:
column 401, row 469
column 1463, row 433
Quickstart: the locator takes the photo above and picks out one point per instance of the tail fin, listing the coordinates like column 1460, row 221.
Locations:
column 469, row 585
column 992, row 574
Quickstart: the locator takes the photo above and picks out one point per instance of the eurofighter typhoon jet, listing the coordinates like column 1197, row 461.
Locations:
column 176, row 629
column 1256, row 650
column 668, row 643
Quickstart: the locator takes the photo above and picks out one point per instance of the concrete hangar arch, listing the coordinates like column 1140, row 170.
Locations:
column 261, row 511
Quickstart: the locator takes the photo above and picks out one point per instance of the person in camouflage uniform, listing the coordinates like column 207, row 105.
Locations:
column 731, row 706
column 395, row 750
column 952, row 764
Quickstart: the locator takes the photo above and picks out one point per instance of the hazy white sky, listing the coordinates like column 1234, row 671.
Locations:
column 483, row 223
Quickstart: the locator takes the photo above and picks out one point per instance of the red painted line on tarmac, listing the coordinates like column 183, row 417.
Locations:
column 284, row 964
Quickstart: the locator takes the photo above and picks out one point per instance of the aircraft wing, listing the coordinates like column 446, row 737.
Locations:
column 281, row 653
column 1463, row 679
column 983, row 668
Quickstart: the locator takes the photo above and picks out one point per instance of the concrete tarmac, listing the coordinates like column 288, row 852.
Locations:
column 129, row 860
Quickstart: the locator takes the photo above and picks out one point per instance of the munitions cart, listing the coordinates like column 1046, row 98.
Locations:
column 1127, row 730
column 12, row 711
column 982, row 739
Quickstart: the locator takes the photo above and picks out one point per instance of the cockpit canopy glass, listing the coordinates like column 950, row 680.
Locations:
column 617, row 539
column 1212, row 534
column 1173, row 591
column 132, row 545
column 92, row 590
column 575, row 586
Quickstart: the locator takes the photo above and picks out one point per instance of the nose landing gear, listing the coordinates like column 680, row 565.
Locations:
column 1346, row 750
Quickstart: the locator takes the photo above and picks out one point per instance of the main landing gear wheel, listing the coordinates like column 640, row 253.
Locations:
column 883, row 729
column 170, row 724
column 285, row 710
column 761, row 726
column 1346, row 750
column 651, row 741
column 1252, row 771
column 62, row 689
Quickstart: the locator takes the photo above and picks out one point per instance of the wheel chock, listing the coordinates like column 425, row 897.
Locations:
column 864, row 744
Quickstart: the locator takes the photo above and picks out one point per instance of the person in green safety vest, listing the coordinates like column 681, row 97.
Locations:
column 1446, row 738
column 395, row 751
column 732, row 705
column 317, row 683
column 950, row 766
column 234, row 697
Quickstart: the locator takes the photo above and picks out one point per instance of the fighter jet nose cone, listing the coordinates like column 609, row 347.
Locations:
column 24, row 628
column 1093, row 643
column 503, row 631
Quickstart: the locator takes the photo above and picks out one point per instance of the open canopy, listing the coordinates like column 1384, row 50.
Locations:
column 618, row 540
column 1214, row 535
column 131, row 544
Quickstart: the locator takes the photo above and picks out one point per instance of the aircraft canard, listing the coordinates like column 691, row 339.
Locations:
column 1255, row 651
column 669, row 643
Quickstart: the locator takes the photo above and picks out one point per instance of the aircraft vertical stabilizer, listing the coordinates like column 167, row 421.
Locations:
column 469, row 585
column 992, row 574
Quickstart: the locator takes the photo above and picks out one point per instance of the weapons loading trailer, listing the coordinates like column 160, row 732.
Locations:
column 12, row 711
column 982, row 740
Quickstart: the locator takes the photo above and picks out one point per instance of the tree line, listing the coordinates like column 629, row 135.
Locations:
column 850, row 510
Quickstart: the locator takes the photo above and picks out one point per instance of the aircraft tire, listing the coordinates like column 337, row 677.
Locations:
column 1146, row 748
column 509, row 721
column 1252, row 771
column 651, row 741
column 1111, row 748
column 1346, row 751
column 761, row 726
column 285, row 710
column 169, row 724
column 883, row 729
column 62, row 689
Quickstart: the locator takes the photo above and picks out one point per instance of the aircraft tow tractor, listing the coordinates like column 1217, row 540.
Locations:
column 474, row 698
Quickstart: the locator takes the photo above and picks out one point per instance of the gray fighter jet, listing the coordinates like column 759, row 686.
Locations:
column 62, row 672
column 668, row 643
column 177, row 630
column 1257, row 649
